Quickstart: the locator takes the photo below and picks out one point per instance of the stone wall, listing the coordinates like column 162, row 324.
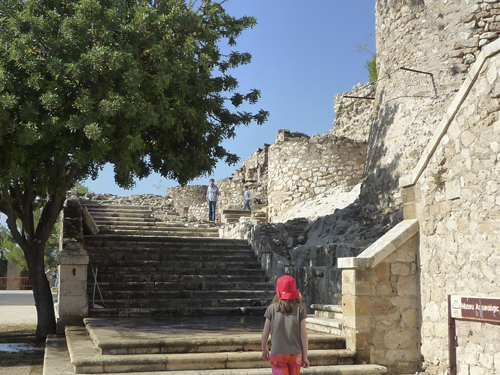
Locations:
column 187, row 196
column 301, row 167
column 458, row 205
column 353, row 115
column 434, row 36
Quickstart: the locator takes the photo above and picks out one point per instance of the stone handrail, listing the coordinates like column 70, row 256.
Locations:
column 488, row 51
column 383, row 247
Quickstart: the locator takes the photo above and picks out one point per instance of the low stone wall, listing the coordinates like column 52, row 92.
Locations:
column 301, row 167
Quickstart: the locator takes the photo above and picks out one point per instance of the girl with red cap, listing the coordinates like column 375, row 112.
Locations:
column 286, row 321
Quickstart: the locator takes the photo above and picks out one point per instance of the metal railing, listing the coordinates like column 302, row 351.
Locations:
column 20, row 283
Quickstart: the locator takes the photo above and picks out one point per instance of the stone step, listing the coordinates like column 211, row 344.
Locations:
column 327, row 325
column 110, row 342
column 167, row 249
column 117, row 257
column 176, row 311
column 176, row 266
column 186, row 294
column 154, row 274
column 83, row 356
column 237, row 277
column 126, row 207
column 160, row 241
column 126, row 226
column 327, row 311
column 130, row 214
column 185, row 285
column 144, row 221
column 315, row 370
column 57, row 361
column 184, row 302
column 156, row 233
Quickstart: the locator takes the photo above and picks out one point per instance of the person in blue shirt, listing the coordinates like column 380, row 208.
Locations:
column 212, row 194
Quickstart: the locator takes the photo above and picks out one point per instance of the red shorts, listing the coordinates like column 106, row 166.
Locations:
column 286, row 364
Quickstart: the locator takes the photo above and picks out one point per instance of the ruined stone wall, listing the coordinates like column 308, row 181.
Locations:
column 187, row 196
column 459, row 214
column 433, row 36
column 353, row 115
column 301, row 167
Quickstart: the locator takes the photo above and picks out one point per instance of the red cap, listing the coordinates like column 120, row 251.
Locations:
column 286, row 289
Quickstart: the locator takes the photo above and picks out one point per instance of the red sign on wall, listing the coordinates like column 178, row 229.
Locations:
column 475, row 308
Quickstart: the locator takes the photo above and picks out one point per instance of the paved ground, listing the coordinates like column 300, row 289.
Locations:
column 20, row 353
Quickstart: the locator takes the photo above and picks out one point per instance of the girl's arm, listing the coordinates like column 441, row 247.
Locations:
column 305, row 343
column 266, row 356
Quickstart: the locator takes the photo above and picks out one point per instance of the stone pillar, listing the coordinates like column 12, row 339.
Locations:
column 356, row 312
column 13, row 277
column 72, row 262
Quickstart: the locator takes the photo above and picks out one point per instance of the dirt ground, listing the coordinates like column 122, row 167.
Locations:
column 20, row 352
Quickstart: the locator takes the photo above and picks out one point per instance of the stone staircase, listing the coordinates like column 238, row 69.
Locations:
column 233, row 216
column 156, row 276
column 151, row 270
column 177, row 305
column 139, row 220
column 326, row 318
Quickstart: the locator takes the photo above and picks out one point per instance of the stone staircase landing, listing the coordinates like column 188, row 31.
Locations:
column 185, row 345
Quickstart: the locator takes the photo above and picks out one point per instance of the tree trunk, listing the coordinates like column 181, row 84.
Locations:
column 46, row 320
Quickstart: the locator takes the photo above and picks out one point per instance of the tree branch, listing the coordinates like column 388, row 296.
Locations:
column 11, row 220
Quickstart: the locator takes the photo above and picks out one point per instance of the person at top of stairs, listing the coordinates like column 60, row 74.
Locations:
column 286, row 321
column 246, row 196
column 212, row 194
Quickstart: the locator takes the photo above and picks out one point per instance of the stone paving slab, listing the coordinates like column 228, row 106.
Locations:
column 191, row 334
column 56, row 360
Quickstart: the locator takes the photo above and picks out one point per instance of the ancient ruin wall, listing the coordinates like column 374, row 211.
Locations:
column 433, row 36
column 460, row 229
column 353, row 115
column 187, row 196
column 301, row 167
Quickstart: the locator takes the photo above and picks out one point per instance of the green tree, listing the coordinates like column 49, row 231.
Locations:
column 139, row 84
column 371, row 66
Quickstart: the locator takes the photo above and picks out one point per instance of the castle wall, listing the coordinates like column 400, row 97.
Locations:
column 353, row 115
column 458, row 199
column 434, row 36
column 301, row 167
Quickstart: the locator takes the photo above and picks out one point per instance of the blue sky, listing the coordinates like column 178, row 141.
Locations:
column 303, row 54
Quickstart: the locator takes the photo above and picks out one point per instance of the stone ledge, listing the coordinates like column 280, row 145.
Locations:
column 382, row 248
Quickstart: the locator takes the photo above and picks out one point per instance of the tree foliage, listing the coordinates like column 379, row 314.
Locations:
column 139, row 84
column 371, row 66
